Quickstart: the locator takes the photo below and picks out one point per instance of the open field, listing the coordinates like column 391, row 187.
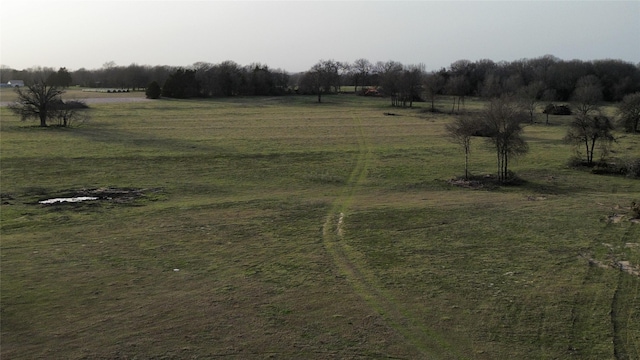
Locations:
column 254, row 228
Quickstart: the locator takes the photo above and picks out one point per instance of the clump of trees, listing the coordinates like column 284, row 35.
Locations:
column 41, row 99
column 586, row 132
column 322, row 78
column 221, row 80
column 460, row 131
column 501, row 122
column 182, row 84
column 544, row 78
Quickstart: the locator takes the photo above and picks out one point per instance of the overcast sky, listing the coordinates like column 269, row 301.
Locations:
column 294, row 35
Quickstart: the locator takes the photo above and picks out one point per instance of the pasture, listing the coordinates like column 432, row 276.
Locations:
column 252, row 228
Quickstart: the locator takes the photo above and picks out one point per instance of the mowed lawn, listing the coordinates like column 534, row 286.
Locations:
column 255, row 228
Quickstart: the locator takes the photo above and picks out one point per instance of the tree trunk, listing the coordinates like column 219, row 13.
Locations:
column 593, row 145
column 43, row 119
column 466, row 162
column 506, row 166
column 586, row 145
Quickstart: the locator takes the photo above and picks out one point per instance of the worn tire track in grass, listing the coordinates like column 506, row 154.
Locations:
column 624, row 318
column 351, row 265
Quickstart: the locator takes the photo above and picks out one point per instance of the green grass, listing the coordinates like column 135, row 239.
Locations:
column 278, row 227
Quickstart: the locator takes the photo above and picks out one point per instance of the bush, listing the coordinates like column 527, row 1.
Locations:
column 630, row 167
column 153, row 90
column 75, row 104
column 552, row 109
column 635, row 209
column 624, row 167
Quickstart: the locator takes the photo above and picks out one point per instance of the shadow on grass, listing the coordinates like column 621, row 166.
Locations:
column 548, row 186
column 130, row 139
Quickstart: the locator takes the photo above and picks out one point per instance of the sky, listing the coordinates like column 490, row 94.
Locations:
column 294, row 35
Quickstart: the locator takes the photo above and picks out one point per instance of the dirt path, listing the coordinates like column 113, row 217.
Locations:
column 350, row 264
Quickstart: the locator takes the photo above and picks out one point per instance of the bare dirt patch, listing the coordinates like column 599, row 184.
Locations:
column 614, row 259
column 621, row 265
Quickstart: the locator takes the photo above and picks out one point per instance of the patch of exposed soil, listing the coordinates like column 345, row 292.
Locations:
column 614, row 218
column 624, row 266
column 469, row 184
column 614, row 261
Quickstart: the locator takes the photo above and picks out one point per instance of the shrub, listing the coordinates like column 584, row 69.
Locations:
column 552, row 109
column 630, row 167
column 153, row 90
column 635, row 209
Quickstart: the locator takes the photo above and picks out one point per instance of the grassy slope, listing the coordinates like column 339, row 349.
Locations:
column 306, row 230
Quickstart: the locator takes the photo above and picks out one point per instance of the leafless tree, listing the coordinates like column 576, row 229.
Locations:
column 37, row 100
column 433, row 85
column 460, row 131
column 458, row 86
column 360, row 71
column 323, row 77
column 629, row 112
column 589, row 131
column 390, row 73
column 502, row 121
column 529, row 96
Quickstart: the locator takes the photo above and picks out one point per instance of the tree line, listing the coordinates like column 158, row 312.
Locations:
column 545, row 78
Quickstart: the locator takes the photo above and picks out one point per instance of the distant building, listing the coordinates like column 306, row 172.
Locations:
column 15, row 83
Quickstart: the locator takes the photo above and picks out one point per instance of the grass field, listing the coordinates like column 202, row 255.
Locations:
column 254, row 228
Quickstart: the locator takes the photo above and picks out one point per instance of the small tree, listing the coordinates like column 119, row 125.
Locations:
column 68, row 113
column 587, row 131
column 629, row 112
column 360, row 71
column 460, row 131
column 433, row 85
column 502, row 121
column 153, row 90
column 37, row 100
column 529, row 96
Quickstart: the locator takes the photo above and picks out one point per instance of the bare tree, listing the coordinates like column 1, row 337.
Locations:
column 324, row 76
column 587, row 131
column 360, row 72
column 458, row 86
column 410, row 85
column 37, row 100
column 502, row 122
column 69, row 113
column 460, row 131
column 433, row 85
column 390, row 73
column 529, row 96
column 629, row 112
